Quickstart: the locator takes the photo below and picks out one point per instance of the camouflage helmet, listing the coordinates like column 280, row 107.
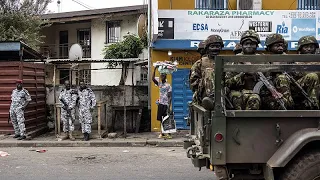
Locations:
column 201, row 46
column 304, row 40
column 274, row 38
column 250, row 34
column 237, row 47
column 213, row 39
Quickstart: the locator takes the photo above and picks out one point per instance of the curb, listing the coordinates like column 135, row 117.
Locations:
column 93, row 143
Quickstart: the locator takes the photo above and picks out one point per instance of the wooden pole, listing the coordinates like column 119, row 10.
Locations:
column 124, row 111
column 54, row 101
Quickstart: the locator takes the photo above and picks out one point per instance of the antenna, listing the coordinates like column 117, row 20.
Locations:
column 75, row 52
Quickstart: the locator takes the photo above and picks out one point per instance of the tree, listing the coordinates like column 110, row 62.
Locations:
column 130, row 47
column 20, row 21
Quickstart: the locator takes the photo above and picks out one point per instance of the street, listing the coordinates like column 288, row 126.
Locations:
column 78, row 163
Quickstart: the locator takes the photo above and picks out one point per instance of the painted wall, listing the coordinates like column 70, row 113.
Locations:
column 111, row 77
column 176, row 4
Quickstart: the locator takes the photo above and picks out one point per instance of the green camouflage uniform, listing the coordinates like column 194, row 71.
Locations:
column 241, row 84
column 308, row 81
column 280, row 81
column 201, row 75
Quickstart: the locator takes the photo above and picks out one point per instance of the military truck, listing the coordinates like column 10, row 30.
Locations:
column 255, row 144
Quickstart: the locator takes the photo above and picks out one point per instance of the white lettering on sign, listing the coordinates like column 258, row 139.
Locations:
column 293, row 44
column 170, row 24
column 194, row 43
column 161, row 24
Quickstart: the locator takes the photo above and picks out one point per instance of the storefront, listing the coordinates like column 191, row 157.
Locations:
column 180, row 31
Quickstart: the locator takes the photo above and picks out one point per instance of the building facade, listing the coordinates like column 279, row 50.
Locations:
column 93, row 30
column 179, row 26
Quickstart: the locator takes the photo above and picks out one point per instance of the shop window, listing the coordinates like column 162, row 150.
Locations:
column 212, row 4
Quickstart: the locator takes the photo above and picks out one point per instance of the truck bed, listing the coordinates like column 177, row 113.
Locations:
column 257, row 134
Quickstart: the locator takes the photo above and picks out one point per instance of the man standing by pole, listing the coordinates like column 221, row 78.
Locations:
column 68, row 99
column 20, row 98
column 87, row 101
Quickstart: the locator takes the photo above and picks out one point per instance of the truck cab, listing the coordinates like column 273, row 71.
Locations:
column 255, row 144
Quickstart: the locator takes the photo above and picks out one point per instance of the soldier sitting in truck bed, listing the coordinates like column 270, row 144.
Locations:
column 308, row 81
column 275, row 44
column 241, row 84
column 205, row 66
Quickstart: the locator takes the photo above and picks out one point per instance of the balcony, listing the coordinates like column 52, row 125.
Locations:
column 61, row 51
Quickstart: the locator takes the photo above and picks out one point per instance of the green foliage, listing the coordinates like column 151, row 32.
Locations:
column 130, row 47
column 20, row 21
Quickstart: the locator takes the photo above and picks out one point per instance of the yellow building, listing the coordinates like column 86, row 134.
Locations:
column 186, row 54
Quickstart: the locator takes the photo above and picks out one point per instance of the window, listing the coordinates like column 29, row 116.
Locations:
column 85, row 74
column 308, row 4
column 84, row 39
column 113, row 31
column 64, row 75
column 212, row 4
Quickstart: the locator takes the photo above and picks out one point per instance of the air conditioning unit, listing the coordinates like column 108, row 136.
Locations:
column 249, row 4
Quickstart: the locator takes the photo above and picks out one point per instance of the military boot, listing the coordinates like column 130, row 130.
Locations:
column 16, row 136
column 22, row 137
column 71, row 136
column 86, row 136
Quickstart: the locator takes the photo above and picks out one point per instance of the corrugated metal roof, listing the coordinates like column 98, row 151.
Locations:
column 11, row 50
column 94, row 12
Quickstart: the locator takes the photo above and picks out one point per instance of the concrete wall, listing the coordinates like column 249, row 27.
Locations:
column 114, row 96
column 111, row 77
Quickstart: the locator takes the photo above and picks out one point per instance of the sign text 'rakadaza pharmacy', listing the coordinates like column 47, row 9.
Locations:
column 230, row 24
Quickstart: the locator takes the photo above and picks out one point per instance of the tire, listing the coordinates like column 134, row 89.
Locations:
column 305, row 167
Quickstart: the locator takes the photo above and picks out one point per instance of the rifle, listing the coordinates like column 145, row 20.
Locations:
column 278, row 96
column 304, row 93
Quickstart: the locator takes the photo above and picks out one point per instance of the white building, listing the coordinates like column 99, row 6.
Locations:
column 93, row 30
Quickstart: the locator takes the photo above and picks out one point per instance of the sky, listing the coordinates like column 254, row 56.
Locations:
column 70, row 5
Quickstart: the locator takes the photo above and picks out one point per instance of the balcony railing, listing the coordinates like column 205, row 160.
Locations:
column 212, row 4
column 61, row 51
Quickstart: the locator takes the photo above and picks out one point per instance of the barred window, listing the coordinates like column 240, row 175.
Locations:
column 212, row 4
column 113, row 32
column 308, row 4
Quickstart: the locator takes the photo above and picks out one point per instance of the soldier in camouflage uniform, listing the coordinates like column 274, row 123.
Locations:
column 237, row 49
column 87, row 101
column 308, row 81
column 201, row 48
column 20, row 98
column 241, row 84
column 68, row 98
column 276, row 44
column 205, row 67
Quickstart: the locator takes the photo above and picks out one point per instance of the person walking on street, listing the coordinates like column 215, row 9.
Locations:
column 68, row 98
column 164, row 99
column 87, row 101
column 20, row 99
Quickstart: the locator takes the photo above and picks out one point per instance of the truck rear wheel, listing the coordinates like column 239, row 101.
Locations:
column 305, row 167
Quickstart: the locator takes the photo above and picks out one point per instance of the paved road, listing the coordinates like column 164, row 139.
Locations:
column 100, row 164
